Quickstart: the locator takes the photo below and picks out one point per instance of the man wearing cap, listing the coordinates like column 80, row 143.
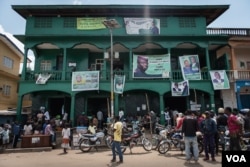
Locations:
column 208, row 128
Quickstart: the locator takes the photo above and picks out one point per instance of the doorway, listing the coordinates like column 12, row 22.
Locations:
column 96, row 104
column 176, row 103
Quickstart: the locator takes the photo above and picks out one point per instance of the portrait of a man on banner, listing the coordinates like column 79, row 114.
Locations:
column 151, row 66
column 180, row 88
column 219, row 79
column 119, row 81
column 190, row 67
column 85, row 80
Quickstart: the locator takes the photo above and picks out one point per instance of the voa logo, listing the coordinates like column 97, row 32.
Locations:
column 236, row 158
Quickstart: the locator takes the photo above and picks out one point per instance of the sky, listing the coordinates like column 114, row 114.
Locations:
column 11, row 23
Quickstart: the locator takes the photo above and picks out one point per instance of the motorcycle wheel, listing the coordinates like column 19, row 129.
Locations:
column 123, row 147
column 108, row 141
column 164, row 147
column 84, row 145
column 155, row 142
column 200, row 148
column 147, row 145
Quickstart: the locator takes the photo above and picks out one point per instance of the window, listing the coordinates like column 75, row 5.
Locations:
column 69, row 22
column 187, row 22
column 7, row 62
column 6, row 90
column 45, row 65
column 43, row 22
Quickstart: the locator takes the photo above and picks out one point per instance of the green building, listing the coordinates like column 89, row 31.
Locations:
column 69, row 40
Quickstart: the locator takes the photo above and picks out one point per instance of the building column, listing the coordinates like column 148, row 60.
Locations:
column 24, row 64
column 64, row 63
column 208, row 60
column 116, row 104
column 19, row 108
column 212, row 105
column 162, row 115
column 72, row 109
column 130, row 57
column 233, row 59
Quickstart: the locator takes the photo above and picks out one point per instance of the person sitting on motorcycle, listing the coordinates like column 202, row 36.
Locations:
column 92, row 128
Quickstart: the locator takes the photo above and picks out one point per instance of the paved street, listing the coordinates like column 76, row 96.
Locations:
column 75, row 158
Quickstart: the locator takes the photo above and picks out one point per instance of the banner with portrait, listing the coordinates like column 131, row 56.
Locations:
column 190, row 67
column 142, row 26
column 42, row 78
column 219, row 79
column 180, row 88
column 85, row 80
column 119, row 82
column 151, row 66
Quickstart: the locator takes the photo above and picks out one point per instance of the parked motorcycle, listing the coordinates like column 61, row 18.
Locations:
column 244, row 141
column 89, row 141
column 175, row 140
column 137, row 137
column 159, row 138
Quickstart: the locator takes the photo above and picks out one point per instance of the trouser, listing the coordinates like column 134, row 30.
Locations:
column 209, row 145
column 116, row 145
column 15, row 140
column 235, row 142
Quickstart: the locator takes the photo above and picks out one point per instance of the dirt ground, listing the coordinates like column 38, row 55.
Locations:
column 100, row 158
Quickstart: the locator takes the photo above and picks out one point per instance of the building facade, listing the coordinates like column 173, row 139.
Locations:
column 71, row 40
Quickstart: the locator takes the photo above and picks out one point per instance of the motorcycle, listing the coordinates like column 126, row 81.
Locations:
column 159, row 138
column 137, row 137
column 175, row 139
column 244, row 141
column 89, row 141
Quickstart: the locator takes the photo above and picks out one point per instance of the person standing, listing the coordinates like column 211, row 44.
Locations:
column 189, row 129
column 100, row 119
column 5, row 136
column 234, row 130
column 116, row 145
column 16, row 132
column 65, row 137
column 46, row 116
column 208, row 128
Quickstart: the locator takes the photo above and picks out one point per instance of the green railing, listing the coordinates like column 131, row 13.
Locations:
column 105, row 75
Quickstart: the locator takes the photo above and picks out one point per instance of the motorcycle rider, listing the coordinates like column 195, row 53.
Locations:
column 117, row 129
column 91, row 128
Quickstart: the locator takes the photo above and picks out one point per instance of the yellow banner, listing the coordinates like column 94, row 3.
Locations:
column 90, row 23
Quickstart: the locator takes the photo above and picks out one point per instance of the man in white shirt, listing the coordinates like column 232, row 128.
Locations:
column 46, row 116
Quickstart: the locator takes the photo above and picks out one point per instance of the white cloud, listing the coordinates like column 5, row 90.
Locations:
column 77, row 2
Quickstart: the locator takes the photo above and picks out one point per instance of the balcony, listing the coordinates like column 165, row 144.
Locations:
column 234, row 75
column 229, row 31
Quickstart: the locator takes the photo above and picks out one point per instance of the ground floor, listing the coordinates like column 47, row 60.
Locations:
column 133, row 102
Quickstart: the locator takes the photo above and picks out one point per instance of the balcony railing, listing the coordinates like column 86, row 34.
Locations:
column 105, row 75
column 229, row 31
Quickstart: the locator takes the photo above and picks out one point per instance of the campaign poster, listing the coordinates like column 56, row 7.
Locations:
column 142, row 26
column 85, row 80
column 219, row 80
column 119, row 81
column 42, row 79
column 190, row 67
column 180, row 88
column 151, row 66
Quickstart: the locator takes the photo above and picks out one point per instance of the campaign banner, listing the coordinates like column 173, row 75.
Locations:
column 85, row 80
column 93, row 23
column 190, row 67
column 42, row 78
column 142, row 26
column 119, row 82
column 151, row 66
column 219, row 79
column 180, row 88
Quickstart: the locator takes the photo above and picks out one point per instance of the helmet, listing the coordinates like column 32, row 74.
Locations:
column 221, row 110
